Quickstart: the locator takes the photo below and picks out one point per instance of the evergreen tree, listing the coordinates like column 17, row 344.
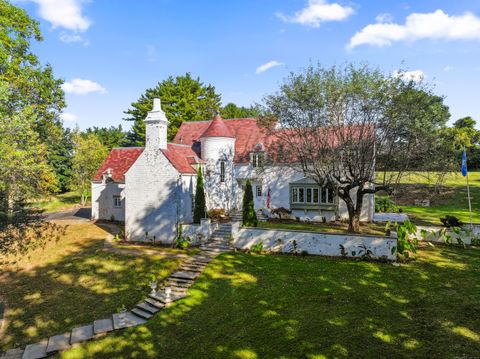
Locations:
column 248, row 211
column 183, row 99
column 233, row 111
column 200, row 210
column 110, row 137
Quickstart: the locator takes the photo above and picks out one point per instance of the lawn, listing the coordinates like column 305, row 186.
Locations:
column 73, row 282
column 451, row 197
column 331, row 227
column 59, row 202
column 272, row 306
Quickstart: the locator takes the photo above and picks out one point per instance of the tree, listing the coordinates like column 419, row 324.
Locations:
column 200, row 209
column 248, row 210
column 465, row 122
column 233, row 111
column 31, row 84
column 89, row 153
column 183, row 99
column 110, row 137
column 339, row 125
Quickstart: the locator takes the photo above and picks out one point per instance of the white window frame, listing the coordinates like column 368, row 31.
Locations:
column 257, row 159
column 322, row 194
column 117, row 201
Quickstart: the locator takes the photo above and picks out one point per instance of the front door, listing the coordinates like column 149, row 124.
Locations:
column 258, row 195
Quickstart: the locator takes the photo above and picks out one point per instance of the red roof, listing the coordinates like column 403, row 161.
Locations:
column 217, row 128
column 246, row 131
column 119, row 161
column 181, row 157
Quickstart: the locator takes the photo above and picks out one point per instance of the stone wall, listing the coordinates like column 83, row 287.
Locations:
column 198, row 232
column 288, row 241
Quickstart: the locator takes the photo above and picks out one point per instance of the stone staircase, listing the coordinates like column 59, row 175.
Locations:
column 173, row 288
column 237, row 216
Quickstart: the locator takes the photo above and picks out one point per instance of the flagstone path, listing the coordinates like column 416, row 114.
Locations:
column 175, row 287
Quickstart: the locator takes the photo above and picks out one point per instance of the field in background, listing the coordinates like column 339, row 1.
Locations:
column 448, row 198
column 59, row 202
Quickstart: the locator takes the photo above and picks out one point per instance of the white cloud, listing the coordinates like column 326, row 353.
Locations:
column 415, row 75
column 385, row 17
column 318, row 11
column 83, row 87
column 64, row 13
column 448, row 68
column 70, row 38
column 69, row 117
column 434, row 25
column 267, row 66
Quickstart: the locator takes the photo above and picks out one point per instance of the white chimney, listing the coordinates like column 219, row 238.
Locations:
column 156, row 127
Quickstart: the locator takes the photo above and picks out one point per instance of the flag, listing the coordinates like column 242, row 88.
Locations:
column 268, row 198
column 464, row 163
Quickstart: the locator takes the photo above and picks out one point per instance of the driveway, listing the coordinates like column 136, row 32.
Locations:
column 81, row 214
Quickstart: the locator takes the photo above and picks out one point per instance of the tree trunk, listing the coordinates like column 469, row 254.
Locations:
column 354, row 210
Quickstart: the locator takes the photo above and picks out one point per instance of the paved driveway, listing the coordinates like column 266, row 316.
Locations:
column 81, row 214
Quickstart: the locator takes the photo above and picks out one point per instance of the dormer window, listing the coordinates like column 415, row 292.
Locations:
column 257, row 159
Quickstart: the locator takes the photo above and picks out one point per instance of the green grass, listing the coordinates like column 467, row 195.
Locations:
column 451, row 197
column 73, row 282
column 272, row 306
column 59, row 202
column 367, row 228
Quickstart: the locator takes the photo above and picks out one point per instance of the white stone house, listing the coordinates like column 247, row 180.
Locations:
column 152, row 189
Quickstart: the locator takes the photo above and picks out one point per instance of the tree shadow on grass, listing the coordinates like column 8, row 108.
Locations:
column 85, row 284
column 246, row 306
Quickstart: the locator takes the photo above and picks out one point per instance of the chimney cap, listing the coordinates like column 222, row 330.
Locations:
column 156, row 114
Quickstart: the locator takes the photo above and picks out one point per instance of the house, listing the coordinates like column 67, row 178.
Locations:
column 152, row 189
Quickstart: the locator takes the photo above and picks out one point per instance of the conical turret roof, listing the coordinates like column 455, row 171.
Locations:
column 218, row 128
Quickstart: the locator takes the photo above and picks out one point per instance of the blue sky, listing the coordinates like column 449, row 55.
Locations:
column 109, row 52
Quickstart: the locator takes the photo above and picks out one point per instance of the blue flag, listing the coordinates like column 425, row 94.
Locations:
column 464, row 163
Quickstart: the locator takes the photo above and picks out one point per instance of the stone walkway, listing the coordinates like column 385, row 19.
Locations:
column 175, row 287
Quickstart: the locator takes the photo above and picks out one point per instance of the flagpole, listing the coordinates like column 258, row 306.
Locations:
column 468, row 193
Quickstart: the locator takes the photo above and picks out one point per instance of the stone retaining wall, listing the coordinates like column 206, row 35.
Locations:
column 288, row 241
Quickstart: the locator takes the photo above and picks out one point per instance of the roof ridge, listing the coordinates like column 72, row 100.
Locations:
column 126, row 148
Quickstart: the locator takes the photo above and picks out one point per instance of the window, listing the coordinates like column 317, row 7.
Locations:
column 222, row 171
column 312, row 195
column 259, row 191
column 257, row 159
column 117, row 201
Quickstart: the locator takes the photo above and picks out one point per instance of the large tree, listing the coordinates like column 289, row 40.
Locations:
column 230, row 110
column 184, row 98
column 110, row 137
column 89, row 153
column 339, row 125
column 31, row 84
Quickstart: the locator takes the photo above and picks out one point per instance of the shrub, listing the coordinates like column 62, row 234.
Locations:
column 248, row 211
column 199, row 210
column 280, row 211
column 451, row 221
column 216, row 214
column 182, row 242
column 257, row 248
column 385, row 204
column 407, row 241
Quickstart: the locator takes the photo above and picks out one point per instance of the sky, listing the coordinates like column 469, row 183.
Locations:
column 109, row 52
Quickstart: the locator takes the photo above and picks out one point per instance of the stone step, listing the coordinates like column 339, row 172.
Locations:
column 126, row 320
column 82, row 334
column 58, row 343
column 36, row 351
column 146, row 307
column 192, row 267
column 102, row 326
column 178, row 284
column 16, row 353
column 141, row 313
column 158, row 297
column 155, row 303
column 184, row 275
column 175, row 289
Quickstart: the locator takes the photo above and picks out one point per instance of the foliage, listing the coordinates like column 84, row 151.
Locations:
column 451, row 221
column 385, row 204
column 374, row 118
column 88, row 155
column 216, row 214
column 407, row 240
column 182, row 242
column 256, row 248
column 110, row 137
column 184, row 98
column 281, row 211
column 200, row 207
column 248, row 210
column 233, row 111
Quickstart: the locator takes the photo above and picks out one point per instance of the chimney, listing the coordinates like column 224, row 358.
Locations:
column 156, row 127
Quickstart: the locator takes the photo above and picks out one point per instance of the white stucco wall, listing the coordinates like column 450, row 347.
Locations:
column 154, row 194
column 278, row 178
column 315, row 243
column 102, row 201
column 214, row 150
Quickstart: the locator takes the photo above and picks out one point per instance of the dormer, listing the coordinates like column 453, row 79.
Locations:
column 258, row 156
